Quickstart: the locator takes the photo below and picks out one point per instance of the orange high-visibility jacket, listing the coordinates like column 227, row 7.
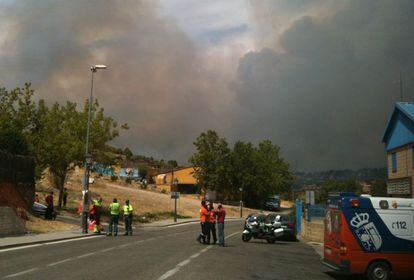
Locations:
column 204, row 215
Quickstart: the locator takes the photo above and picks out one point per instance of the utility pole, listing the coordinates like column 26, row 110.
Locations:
column 88, row 157
column 174, row 184
column 241, row 202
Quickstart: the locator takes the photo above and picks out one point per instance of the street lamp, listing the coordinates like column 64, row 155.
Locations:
column 241, row 202
column 88, row 157
column 175, row 184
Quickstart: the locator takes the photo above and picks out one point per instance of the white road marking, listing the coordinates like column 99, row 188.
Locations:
column 72, row 240
column 59, row 262
column 177, row 268
column 21, row 273
column 108, row 249
column 124, row 245
column 85, row 255
column 19, row 248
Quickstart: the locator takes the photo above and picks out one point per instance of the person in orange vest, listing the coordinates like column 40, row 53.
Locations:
column 212, row 224
column 204, row 222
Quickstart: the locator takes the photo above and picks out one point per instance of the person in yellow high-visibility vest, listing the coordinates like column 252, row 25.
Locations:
column 114, row 208
column 128, row 217
column 97, row 208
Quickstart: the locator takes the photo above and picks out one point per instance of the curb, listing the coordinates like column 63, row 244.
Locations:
column 45, row 241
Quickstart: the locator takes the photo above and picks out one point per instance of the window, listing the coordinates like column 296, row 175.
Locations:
column 394, row 162
column 412, row 156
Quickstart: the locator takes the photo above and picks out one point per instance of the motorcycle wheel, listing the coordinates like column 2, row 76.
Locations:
column 271, row 241
column 246, row 237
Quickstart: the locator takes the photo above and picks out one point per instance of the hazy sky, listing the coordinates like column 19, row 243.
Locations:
column 318, row 78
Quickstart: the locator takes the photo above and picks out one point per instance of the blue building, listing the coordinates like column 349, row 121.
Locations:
column 399, row 144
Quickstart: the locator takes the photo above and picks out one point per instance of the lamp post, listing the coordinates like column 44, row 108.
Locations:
column 88, row 157
column 175, row 184
column 241, row 202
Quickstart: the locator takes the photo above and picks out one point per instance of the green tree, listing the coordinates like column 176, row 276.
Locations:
column 332, row 186
column 143, row 171
column 63, row 139
column 272, row 175
column 211, row 162
column 54, row 136
column 242, row 172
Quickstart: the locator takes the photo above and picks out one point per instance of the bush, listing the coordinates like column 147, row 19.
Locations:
column 128, row 180
column 114, row 177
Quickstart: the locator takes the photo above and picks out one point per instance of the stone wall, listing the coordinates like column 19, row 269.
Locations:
column 313, row 231
column 17, row 181
column 10, row 222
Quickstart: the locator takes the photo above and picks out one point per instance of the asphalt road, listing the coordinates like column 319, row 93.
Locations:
column 164, row 253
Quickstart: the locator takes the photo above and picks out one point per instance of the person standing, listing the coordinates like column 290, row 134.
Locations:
column 65, row 197
column 128, row 217
column 221, row 215
column 97, row 208
column 114, row 208
column 212, row 223
column 204, row 220
column 49, row 206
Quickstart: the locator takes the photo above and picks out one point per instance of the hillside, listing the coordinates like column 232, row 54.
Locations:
column 365, row 174
column 150, row 203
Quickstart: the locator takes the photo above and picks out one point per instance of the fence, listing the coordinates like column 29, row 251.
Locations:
column 308, row 212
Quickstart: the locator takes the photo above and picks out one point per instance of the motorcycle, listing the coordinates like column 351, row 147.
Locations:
column 257, row 228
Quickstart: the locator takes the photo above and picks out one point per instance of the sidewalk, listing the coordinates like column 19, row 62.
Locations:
column 29, row 239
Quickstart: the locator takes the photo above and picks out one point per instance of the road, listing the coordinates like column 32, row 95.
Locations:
column 163, row 253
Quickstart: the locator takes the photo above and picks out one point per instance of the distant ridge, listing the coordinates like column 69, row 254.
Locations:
column 318, row 177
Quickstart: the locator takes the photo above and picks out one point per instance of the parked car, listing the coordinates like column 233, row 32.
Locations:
column 272, row 203
column 288, row 225
column 39, row 209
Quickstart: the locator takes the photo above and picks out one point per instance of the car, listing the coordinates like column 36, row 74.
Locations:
column 39, row 209
column 288, row 225
column 272, row 203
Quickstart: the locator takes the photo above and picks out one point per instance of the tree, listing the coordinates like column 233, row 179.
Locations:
column 272, row 175
column 54, row 136
column 338, row 186
column 211, row 162
column 143, row 171
column 62, row 140
column 243, row 173
column 260, row 171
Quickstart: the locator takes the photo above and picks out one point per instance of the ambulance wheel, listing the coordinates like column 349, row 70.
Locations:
column 379, row 271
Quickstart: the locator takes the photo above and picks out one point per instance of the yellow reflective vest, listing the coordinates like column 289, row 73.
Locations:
column 128, row 210
column 114, row 207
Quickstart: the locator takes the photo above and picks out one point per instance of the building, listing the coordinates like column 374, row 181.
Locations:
column 399, row 144
column 186, row 182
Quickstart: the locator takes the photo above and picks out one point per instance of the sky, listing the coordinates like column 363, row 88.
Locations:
column 319, row 78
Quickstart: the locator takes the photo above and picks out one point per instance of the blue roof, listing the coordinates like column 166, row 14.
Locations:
column 400, row 127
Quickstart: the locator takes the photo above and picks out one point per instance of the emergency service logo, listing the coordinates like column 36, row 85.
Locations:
column 366, row 232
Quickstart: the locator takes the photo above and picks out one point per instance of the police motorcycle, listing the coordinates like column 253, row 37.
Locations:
column 259, row 227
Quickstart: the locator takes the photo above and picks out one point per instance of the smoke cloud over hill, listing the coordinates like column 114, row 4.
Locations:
column 319, row 78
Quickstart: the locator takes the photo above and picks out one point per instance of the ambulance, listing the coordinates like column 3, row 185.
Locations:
column 370, row 235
